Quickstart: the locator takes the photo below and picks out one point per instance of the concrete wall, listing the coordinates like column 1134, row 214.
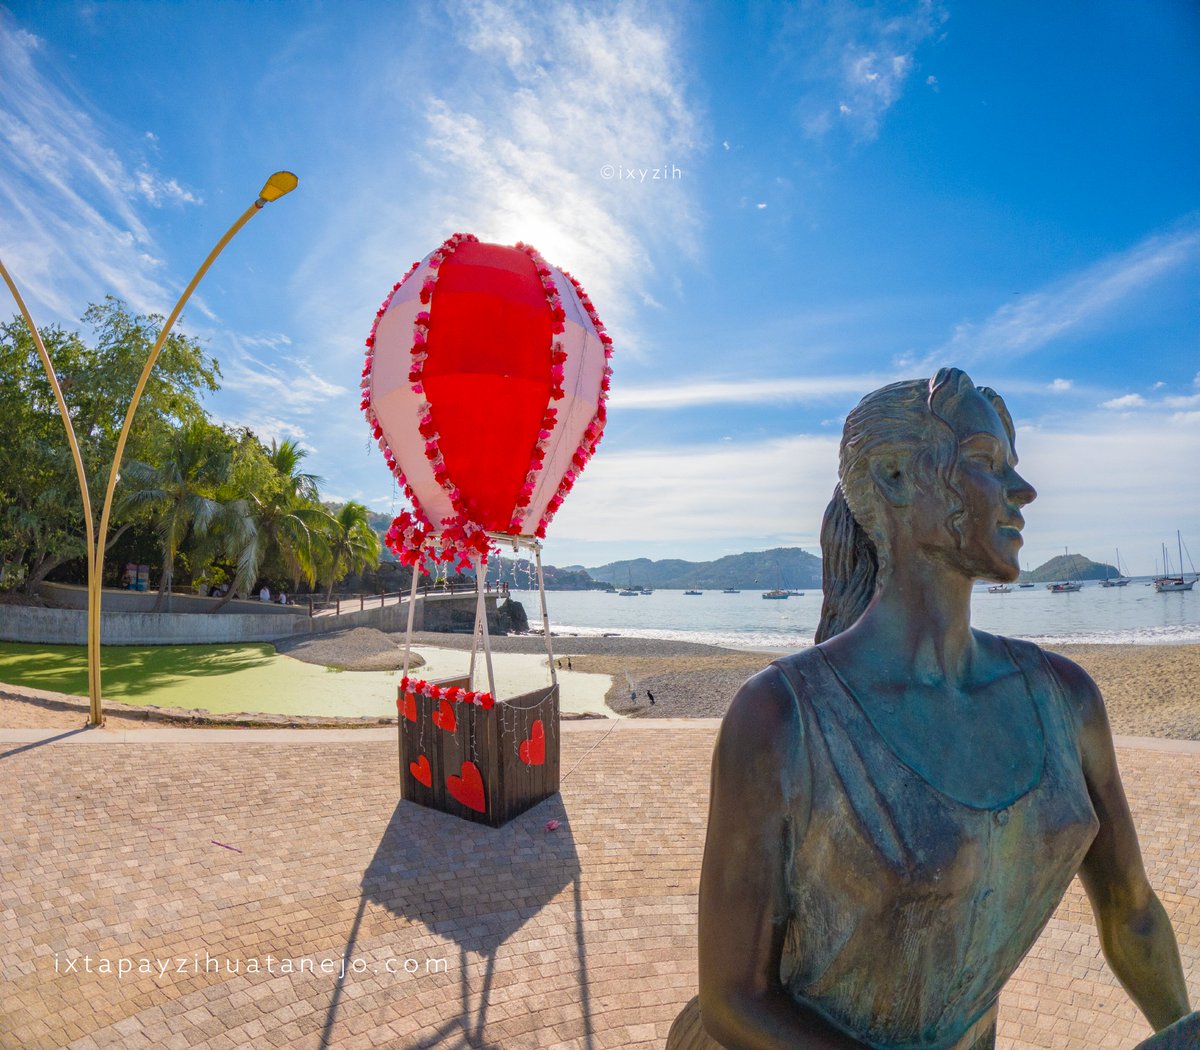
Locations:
column 26, row 623
column 72, row 596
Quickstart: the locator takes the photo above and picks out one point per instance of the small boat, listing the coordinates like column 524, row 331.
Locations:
column 1120, row 580
column 629, row 594
column 776, row 594
column 1168, row 582
column 693, row 592
column 731, row 590
column 796, row 594
column 1000, row 588
column 1025, row 586
column 1068, row 585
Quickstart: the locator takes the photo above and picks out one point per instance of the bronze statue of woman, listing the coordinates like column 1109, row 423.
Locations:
column 897, row 811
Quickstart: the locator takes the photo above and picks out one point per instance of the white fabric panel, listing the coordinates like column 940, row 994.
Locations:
column 583, row 372
column 394, row 402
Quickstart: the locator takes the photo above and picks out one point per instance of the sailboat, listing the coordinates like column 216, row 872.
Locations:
column 1120, row 580
column 1167, row 582
column 1068, row 585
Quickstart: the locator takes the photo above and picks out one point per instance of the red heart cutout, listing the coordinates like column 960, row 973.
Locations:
column 533, row 750
column 444, row 718
column 468, row 788
column 408, row 704
column 421, row 770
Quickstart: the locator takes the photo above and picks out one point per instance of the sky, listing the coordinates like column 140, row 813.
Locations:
column 776, row 208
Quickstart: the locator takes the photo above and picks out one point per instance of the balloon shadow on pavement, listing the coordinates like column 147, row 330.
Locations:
column 476, row 887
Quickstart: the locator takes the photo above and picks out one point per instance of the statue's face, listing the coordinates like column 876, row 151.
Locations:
column 992, row 492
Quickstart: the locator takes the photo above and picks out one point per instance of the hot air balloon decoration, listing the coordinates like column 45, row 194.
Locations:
column 486, row 376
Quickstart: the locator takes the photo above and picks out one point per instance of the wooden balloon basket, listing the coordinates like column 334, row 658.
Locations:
column 463, row 750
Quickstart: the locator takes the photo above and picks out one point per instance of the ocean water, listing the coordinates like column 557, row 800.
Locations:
column 1135, row 614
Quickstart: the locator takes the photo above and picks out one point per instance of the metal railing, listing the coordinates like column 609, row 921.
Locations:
column 361, row 602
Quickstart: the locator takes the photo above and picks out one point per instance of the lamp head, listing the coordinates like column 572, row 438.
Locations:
column 276, row 186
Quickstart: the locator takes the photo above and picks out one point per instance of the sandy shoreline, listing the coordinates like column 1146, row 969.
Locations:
column 1150, row 690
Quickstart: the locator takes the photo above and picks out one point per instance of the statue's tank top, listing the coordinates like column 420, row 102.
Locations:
column 908, row 909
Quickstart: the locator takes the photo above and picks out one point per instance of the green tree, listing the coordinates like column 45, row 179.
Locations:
column 351, row 544
column 42, row 517
column 273, row 527
column 180, row 494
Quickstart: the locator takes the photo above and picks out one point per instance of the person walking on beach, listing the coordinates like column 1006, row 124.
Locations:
column 651, row 697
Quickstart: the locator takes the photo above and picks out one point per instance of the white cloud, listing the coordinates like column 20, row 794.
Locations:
column 1126, row 401
column 1107, row 483
column 1060, row 385
column 288, row 384
column 560, row 96
column 744, row 391
column 854, row 60
column 1191, row 401
column 158, row 191
column 70, row 232
column 1083, row 298
column 695, row 494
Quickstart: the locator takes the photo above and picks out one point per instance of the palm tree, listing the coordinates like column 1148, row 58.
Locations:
column 180, row 493
column 351, row 543
column 285, row 457
column 272, row 511
column 291, row 520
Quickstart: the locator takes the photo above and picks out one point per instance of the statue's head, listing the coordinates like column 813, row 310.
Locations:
column 934, row 458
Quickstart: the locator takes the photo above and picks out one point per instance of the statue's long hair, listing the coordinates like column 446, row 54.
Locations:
column 910, row 423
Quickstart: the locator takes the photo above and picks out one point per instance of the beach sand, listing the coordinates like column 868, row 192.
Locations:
column 1150, row 690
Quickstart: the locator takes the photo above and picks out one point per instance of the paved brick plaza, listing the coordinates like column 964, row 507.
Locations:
column 583, row 937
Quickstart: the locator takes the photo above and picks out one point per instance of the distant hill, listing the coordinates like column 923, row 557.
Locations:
column 787, row 567
column 1069, row 567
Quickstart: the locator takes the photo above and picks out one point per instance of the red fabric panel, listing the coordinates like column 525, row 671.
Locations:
column 487, row 376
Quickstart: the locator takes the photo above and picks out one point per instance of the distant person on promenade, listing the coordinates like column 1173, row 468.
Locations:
column 265, row 594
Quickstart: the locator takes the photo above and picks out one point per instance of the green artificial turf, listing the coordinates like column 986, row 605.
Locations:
column 218, row 678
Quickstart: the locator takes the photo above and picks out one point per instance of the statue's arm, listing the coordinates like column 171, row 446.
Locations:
column 760, row 783
column 1135, row 931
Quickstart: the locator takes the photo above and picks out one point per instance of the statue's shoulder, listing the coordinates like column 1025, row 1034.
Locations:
column 1079, row 692
column 765, row 708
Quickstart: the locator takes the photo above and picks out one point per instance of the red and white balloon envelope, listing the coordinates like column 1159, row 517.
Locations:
column 485, row 385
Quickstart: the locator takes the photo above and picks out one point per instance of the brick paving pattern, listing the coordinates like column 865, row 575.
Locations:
column 582, row 937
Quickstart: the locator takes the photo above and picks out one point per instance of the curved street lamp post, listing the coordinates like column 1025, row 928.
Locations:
column 280, row 183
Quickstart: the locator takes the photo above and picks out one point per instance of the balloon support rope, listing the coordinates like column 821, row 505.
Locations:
column 530, row 543
column 481, row 625
column 537, row 554
column 412, row 608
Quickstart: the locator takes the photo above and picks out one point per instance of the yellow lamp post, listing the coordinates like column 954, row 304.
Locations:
column 280, row 183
